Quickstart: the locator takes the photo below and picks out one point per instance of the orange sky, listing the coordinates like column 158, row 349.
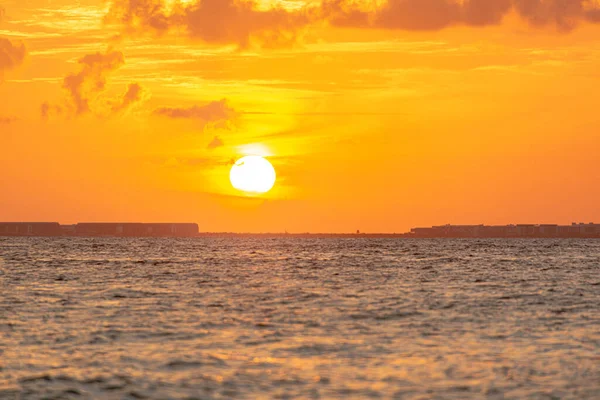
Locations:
column 377, row 115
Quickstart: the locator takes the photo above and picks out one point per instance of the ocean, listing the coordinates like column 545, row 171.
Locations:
column 278, row 318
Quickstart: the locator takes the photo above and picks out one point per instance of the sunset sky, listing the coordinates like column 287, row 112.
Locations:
column 378, row 115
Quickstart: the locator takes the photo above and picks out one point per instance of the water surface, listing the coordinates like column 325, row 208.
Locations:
column 299, row 318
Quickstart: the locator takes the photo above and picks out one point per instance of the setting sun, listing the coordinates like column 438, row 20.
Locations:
column 252, row 174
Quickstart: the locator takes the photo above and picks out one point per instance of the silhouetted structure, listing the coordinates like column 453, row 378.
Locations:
column 523, row 230
column 97, row 229
column 575, row 230
column 30, row 229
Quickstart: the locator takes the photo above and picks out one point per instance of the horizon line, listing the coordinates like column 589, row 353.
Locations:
column 285, row 232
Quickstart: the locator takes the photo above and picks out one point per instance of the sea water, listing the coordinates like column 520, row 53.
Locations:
column 258, row 318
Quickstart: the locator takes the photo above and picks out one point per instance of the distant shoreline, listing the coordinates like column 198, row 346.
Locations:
column 190, row 230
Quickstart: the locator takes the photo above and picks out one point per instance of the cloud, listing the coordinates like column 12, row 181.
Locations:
column 91, row 79
column 47, row 110
column 240, row 22
column 215, row 143
column 2, row 13
column 85, row 89
column 140, row 15
column 135, row 94
column 344, row 13
column 439, row 14
column 230, row 21
column 565, row 14
column 245, row 23
column 11, row 55
column 217, row 113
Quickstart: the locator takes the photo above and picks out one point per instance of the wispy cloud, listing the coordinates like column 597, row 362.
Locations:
column 91, row 79
column 11, row 54
column 215, row 143
column 85, row 89
column 217, row 113
column 135, row 94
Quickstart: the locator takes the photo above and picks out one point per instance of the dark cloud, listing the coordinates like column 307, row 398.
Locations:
column 565, row 14
column 239, row 22
column 11, row 55
column 439, row 14
column 230, row 21
column 593, row 15
column 243, row 23
column 91, row 79
column 215, row 143
column 135, row 94
column 344, row 14
column 418, row 14
column 217, row 113
column 485, row 12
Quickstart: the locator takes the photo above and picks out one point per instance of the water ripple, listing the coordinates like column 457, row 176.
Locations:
column 100, row 318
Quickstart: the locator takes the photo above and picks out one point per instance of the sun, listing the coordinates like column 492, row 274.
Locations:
column 252, row 174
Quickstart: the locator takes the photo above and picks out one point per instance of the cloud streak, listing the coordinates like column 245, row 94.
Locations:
column 216, row 113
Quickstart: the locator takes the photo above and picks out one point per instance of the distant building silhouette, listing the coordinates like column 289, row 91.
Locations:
column 521, row 230
column 97, row 229
column 30, row 229
column 123, row 229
